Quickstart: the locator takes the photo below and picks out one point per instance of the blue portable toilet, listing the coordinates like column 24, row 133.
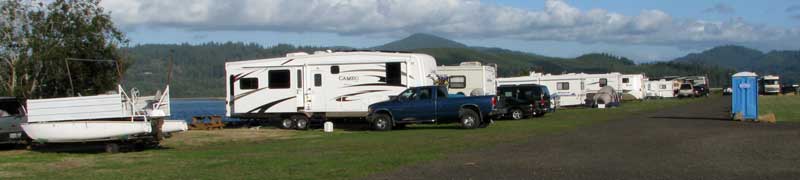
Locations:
column 745, row 95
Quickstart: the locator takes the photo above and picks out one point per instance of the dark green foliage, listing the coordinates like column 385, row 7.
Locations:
column 198, row 70
column 37, row 38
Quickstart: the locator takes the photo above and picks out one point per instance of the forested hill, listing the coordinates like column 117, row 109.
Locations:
column 198, row 70
column 783, row 63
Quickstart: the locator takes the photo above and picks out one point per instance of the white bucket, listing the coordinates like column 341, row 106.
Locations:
column 328, row 126
column 601, row 106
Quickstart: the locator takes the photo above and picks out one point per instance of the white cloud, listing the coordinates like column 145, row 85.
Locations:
column 558, row 21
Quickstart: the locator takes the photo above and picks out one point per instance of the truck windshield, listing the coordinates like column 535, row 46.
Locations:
column 771, row 82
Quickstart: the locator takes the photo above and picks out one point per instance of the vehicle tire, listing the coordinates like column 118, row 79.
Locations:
column 287, row 123
column 469, row 119
column 112, row 148
column 381, row 122
column 517, row 114
column 300, row 122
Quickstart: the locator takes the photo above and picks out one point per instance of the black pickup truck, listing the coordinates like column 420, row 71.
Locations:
column 431, row 104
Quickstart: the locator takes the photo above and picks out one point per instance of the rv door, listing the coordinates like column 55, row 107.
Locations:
column 300, row 91
column 313, row 89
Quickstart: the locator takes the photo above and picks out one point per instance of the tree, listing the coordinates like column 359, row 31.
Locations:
column 38, row 37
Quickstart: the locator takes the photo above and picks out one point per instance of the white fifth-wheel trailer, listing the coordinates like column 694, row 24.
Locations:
column 302, row 87
column 573, row 89
column 470, row 78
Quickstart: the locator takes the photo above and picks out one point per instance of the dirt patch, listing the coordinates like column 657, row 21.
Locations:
column 13, row 152
column 199, row 138
column 5, row 174
column 72, row 163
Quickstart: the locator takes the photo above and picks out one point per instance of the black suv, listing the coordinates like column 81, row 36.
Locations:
column 520, row 101
column 701, row 90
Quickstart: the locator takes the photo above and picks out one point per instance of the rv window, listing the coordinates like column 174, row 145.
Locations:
column 317, row 80
column 458, row 82
column 562, row 86
column 248, row 83
column 279, row 79
column 625, row 80
column 334, row 69
column 299, row 78
column 393, row 74
column 603, row 82
column 663, row 86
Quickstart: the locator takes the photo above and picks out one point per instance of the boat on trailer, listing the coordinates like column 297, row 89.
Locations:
column 117, row 117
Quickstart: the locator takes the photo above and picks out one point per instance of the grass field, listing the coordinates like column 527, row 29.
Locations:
column 286, row 154
column 784, row 107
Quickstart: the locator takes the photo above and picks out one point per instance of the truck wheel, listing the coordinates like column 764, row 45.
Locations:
column 516, row 114
column 301, row 122
column 469, row 119
column 381, row 122
column 287, row 123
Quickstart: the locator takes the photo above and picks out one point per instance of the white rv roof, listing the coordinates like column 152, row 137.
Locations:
column 771, row 77
column 745, row 74
column 298, row 56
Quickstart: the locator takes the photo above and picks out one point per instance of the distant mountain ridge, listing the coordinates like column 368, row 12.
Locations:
column 419, row 41
column 740, row 58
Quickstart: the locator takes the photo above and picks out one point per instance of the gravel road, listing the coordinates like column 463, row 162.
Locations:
column 695, row 141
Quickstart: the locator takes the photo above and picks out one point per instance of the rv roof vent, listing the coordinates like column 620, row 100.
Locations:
column 471, row 63
column 296, row 54
column 320, row 52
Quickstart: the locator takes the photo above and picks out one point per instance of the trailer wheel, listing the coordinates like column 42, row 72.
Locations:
column 516, row 114
column 381, row 122
column 287, row 123
column 469, row 119
column 301, row 122
column 112, row 148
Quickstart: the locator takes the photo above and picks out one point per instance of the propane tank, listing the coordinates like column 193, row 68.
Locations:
column 328, row 126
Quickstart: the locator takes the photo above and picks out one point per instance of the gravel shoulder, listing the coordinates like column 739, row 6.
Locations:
column 695, row 141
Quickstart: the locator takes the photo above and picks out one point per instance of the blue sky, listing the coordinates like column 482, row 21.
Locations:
column 642, row 30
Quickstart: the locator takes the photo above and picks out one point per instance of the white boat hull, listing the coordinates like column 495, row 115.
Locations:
column 84, row 131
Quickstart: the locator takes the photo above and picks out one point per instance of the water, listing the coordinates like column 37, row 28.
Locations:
column 185, row 109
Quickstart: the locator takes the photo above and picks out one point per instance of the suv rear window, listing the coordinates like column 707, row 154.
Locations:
column 686, row 86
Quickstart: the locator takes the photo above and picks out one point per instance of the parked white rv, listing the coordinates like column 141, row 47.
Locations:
column 772, row 84
column 568, row 89
column 572, row 88
column 302, row 87
column 470, row 78
column 660, row 88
